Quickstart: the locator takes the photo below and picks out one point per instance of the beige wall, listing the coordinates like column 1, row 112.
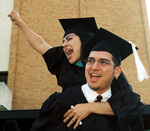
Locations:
column 29, row 78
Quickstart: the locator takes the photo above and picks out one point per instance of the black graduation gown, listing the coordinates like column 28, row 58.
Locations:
column 67, row 74
column 126, row 105
column 73, row 75
column 51, row 115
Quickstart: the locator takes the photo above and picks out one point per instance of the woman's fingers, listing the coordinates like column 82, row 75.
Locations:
column 72, row 121
column 67, row 113
column 78, row 122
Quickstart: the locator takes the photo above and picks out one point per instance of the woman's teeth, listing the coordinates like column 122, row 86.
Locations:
column 69, row 51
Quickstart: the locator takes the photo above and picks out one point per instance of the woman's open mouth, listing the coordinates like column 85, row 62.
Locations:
column 69, row 53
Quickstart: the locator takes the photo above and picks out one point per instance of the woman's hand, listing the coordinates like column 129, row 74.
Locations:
column 81, row 111
column 77, row 114
column 33, row 39
column 14, row 16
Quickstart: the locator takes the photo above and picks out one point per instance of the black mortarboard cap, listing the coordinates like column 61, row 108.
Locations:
column 79, row 25
column 104, row 40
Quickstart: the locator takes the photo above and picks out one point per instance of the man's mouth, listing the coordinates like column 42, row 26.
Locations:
column 94, row 77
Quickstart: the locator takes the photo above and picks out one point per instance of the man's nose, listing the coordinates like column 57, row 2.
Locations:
column 95, row 66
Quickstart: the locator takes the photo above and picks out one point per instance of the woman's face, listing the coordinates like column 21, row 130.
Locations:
column 72, row 47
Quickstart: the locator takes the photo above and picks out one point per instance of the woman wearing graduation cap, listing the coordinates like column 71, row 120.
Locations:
column 63, row 61
column 68, row 56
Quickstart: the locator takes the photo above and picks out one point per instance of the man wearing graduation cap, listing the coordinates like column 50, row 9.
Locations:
column 103, row 79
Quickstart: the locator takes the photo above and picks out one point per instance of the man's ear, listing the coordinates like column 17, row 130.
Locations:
column 117, row 72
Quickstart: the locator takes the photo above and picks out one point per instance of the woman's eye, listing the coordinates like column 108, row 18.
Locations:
column 69, row 39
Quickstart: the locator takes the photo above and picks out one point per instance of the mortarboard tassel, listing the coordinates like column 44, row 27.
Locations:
column 141, row 71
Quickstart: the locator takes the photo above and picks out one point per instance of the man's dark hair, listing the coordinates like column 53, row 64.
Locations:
column 115, row 62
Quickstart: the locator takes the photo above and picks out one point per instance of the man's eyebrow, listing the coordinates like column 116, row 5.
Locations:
column 90, row 58
column 100, row 59
column 105, row 59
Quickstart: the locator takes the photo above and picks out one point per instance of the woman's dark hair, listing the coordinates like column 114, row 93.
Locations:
column 84, row 48
column 120, row 84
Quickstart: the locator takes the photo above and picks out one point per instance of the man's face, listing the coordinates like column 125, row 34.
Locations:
column 100, row 75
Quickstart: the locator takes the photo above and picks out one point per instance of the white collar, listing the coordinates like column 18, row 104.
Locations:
column 91, row 95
